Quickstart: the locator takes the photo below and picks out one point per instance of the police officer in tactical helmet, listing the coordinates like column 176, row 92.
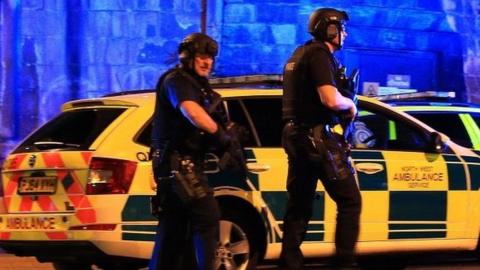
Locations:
column 194, row 45
column 326, row 24
column 312, row 106
column 183, row 130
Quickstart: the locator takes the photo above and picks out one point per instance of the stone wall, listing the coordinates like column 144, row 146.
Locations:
column 464, row 18
column 385, row 37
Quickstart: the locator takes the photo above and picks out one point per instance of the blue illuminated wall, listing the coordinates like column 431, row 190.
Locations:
column 416, row 38
column 53, row 51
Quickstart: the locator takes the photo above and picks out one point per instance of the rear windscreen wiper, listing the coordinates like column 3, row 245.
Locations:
column 53, row 145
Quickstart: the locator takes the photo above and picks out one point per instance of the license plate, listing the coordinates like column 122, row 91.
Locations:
column 33, row 223
column 37, row 185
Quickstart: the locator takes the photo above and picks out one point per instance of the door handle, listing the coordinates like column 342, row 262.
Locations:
column 369, row 167
column 258, row 167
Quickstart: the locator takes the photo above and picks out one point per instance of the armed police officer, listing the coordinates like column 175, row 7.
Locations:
column 312, row 106
column 184, row 129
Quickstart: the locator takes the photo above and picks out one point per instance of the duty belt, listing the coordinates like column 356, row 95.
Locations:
column 308, row 127
column 292, row 122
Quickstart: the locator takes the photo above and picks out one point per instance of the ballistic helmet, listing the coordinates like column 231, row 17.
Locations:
column 197, row 43
column 325, row 24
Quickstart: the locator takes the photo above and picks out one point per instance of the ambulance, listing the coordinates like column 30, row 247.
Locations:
column 76, row 191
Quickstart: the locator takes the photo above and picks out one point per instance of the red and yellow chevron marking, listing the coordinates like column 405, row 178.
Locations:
column 46, row 204
column 26, row 204
column 70, row 168
column 87, row 156
column 14, row 162
column 4, row 235
column 11, row 187
column 85, row 212
column 53, row 160
column 75, row 188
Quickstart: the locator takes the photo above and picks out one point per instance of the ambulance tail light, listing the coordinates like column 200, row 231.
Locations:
column 110, row 176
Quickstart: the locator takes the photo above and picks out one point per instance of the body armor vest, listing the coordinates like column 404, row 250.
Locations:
column 301, row 102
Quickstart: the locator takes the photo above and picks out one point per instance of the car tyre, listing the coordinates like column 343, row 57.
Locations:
column 238, row 246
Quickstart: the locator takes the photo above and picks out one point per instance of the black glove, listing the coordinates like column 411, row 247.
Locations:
column 222, row 137
column 234, row 160
column 232, row 157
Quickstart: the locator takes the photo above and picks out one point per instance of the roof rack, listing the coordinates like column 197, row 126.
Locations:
column 416, row 96
column 246, row 80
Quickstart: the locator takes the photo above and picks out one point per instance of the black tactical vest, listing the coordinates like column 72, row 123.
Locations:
column 169, row 126
column 301, row 102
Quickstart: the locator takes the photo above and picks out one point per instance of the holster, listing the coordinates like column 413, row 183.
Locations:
column 187, row 182
column 331, row 153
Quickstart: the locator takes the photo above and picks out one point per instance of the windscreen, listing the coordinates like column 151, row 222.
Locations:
column 72, row 130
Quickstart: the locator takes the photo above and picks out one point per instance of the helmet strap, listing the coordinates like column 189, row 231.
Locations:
column 186, row 63
column 336, row 45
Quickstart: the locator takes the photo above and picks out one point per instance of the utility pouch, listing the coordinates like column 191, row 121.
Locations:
column 187, row 182
column 332, row 153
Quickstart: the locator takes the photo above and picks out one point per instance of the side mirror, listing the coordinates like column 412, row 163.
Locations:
column 436, row 145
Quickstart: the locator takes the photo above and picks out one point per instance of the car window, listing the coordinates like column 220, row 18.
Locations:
column 145, row 135
column 267, row 117
column 375, row 130
column 236, row 111
column 448, row 123
column 476, row 117
column 262, row 117
column 71, row 130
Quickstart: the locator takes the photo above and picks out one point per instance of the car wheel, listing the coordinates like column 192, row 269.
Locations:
column 71, row 266
column 236, row 249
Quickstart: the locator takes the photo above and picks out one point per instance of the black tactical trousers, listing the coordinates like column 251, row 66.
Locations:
column 301, row 184
column 183, row 223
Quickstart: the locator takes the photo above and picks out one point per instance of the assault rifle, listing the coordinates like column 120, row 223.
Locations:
column 231, row 156
column 348, row 87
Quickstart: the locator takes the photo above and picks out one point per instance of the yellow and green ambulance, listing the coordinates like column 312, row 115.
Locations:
column 76, row 191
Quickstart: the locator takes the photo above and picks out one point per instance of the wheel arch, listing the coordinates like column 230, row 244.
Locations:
column 233, row 205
